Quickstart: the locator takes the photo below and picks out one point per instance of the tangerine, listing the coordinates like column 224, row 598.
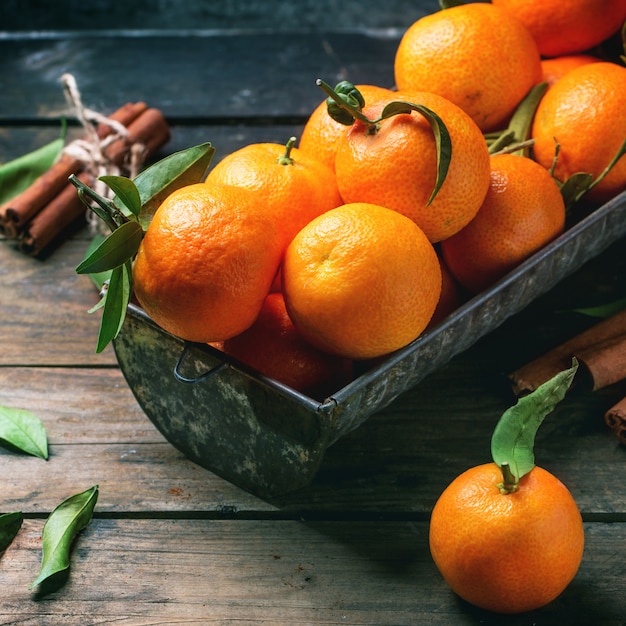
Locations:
column 556, row 67
column 293, row 186
column 273, row 346
column 523, row 210
column 393, row 163
column 453, row 52
column 321, row 133
column 584, row 114
column 567, row 27
column 207, row 261
column 361, row 281
column 506, row 552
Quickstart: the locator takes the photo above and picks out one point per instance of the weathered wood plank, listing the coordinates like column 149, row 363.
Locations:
column 209, row 77
column 15, row 142
column 206, row 14
column 280, row 572
column 44, row 308
column 398, row 462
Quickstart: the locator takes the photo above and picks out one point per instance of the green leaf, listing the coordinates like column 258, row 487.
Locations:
column 98, row 278
column 177, row 170
column 19, row 174
column 116, row 301
column 24, row 431
column 118, row 247
column 575, row 187
column 442, row 137
column 60, row 529
column 126, row 193
column 513, row 438
column 604, row 310
column 10, row 523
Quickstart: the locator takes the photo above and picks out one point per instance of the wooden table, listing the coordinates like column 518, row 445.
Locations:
column 171, row 542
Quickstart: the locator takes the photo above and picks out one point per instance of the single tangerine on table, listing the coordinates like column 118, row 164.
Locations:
column 393, row 163
column 507, row 536
column 584, row 114
column 207, row 262
column 523, row 211
column 361, row 281
column 273, row 346
column 567, row 27
column 293, row 186
column 507, row 553
column 321, row 133
column 455, row 53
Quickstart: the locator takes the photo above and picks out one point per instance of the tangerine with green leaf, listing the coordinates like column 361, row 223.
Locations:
column 508, row 536
column 583, row 116
column 394, row 155
column 207, row 262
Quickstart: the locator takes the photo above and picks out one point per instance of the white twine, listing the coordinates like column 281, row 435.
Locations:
column 91, row 150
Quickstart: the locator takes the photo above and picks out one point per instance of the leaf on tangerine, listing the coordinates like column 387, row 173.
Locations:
column 177, row 170
column 440, row 131
column 117, row 248
column 116, row 302
column 513, row 438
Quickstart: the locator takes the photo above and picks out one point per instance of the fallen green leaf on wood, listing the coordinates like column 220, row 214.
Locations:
column 10, row 523
column 60, row 529
column 24, row 431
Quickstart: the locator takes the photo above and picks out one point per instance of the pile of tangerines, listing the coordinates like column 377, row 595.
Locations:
column 394, row 206
column 299, row 259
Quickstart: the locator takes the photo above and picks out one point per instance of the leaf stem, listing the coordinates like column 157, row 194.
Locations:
column 104, row 209
column 342, row 104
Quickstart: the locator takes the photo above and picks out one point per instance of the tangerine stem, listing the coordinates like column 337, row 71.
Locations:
column 286, row 159
column 509, row 482
column 353, row 111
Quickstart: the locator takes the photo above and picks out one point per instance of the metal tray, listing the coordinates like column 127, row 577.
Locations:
column 270, row 439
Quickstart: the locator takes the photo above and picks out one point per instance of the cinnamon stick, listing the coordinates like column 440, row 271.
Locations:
column 61, row 212
column 528, row 377
column 605, row 363
column 615, row 419
column 150, row 130
column 15, row 213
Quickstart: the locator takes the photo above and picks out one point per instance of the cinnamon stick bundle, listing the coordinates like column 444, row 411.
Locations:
column 615, row 419
column 15, row 213
column 601, row 349
column 42, row 212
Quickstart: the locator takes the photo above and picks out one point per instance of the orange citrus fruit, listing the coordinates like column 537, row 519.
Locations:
column 394, row 164
column 476, row 55
column 567, row 27
column 321, row 132
column 292, row 186
column 451, row 297
column 556, row 67
column 273, row 346
column 584, row 113
column 506, row 552
column 207, row 261
column 361, row 281
column 523, row 210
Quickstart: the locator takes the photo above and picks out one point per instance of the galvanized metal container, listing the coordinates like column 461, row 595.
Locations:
column 270, row 439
